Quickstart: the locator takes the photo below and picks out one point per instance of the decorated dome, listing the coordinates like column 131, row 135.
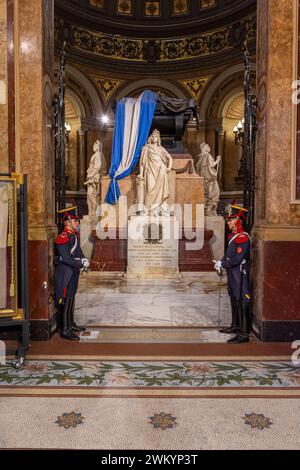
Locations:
column 142, row 34
column 151, row 18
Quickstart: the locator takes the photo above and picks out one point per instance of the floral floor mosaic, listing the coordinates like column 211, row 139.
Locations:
column 151, row 404
column 149, row 423
column 149, row 375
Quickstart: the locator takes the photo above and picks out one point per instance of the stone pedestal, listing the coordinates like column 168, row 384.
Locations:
column 187, row 191
column 195, row 260
column 109, row 254
column 217, row 225
column 189, row 185
column 152, row 248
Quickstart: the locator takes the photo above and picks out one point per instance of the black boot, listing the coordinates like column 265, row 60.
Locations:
column 234, row 328
column 66, row 332
column 59, row 318
column 73, row 325
column 245, row 322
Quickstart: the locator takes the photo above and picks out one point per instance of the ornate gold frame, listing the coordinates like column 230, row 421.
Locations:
column 13, row 243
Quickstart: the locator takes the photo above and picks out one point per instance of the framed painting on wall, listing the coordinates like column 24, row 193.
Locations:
column 8, row 247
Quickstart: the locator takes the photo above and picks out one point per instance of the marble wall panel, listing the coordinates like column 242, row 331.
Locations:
column 281, row 295
column 31, row 106
column 3, row 88
column 275, row 267
column 261, row 89
column 35, row 118
column 279, row 110
column 35, row 29
column 11, row 85
column 38, row 275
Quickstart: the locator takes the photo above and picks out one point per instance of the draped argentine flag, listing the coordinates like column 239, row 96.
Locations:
column 132, row 125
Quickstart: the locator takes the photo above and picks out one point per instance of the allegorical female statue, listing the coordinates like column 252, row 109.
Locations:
column 97, row 168
column 207, row 167
column 152, row 181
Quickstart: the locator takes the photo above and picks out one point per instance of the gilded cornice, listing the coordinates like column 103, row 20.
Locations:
column 157, row 51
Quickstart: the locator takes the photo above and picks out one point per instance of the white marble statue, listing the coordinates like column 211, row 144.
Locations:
column 152, row 180
column 97, row 168
column 208, row 167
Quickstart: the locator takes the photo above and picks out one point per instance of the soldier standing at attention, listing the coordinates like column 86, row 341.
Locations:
column 236, row 263
column 69, row 261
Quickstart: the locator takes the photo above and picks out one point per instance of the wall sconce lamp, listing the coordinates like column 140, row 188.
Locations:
column 238, row 131
column 67, row 128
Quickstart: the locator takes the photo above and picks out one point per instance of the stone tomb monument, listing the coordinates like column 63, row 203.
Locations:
column 152, row 248
column 177, row 182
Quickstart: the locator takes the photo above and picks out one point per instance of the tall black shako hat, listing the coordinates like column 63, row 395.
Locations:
column 68, row 213
column 236, row 212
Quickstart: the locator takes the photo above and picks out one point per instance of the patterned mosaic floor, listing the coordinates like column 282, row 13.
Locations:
column 55, row 404
column 143, row 423
column 153, row 377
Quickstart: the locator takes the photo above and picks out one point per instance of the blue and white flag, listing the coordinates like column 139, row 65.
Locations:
column 132, row 125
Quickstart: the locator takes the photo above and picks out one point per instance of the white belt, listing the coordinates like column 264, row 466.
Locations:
column 241, row 266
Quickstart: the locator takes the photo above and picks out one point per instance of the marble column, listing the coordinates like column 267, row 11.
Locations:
column 34, row 25
column 4, row 167
column 82, row 133
column 296, row 87
column 276, row 233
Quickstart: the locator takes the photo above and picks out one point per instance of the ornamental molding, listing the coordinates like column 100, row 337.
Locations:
column 107, row 86
column 195, row 86
column 154, row 50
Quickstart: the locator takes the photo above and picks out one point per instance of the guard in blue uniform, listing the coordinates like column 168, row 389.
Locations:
column 236, row 262
column 69, row 261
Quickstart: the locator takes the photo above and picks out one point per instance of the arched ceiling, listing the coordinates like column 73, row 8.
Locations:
column 236, row 108
column 70, row 110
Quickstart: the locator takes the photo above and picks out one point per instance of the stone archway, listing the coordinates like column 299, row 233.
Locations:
column 171, row 89
column 215, row 86
column 222, row 95
column 91, row 99
column 231, row 111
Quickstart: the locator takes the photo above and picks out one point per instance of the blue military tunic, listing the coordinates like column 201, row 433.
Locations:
column 68, row 265
column 236, row 263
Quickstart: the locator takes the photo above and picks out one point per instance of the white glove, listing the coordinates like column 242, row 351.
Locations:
column 85, row 263
column 217, row 265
